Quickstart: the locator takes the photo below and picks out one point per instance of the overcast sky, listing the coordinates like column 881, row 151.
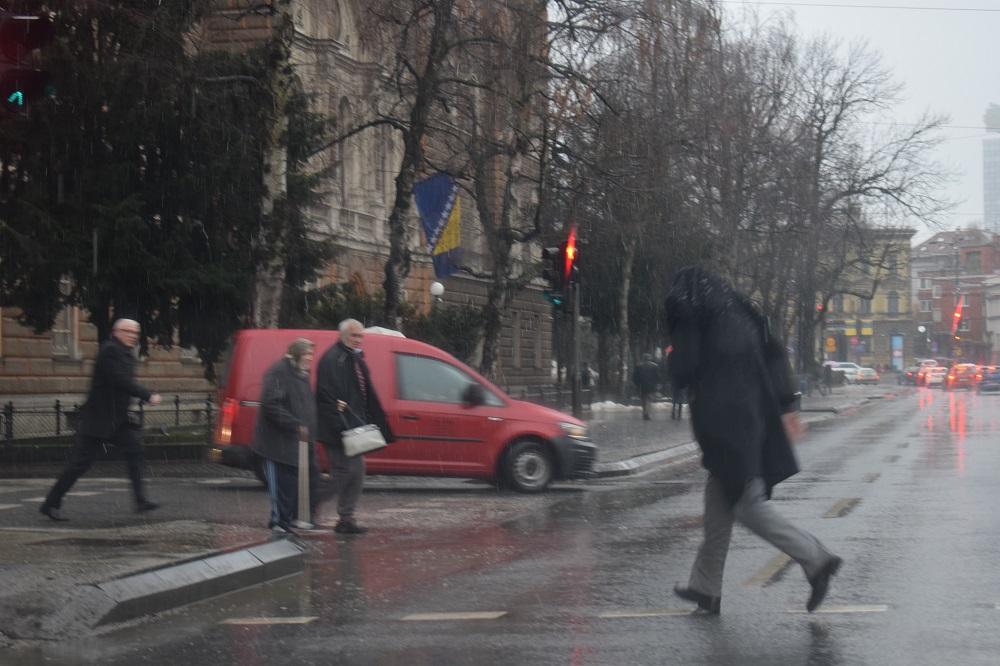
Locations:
column 948, row 58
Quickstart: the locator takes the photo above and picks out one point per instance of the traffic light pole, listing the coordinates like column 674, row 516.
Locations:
column 577, row 406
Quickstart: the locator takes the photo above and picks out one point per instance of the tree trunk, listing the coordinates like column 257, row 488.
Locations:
column 624, row 335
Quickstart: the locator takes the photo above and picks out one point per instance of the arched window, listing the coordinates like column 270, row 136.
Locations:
column 344, row 120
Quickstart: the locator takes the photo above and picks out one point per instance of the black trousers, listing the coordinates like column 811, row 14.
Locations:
column 283, row 489
column 85, row 452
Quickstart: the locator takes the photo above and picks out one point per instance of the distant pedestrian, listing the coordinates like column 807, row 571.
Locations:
column 741, row 397
column 585, row 376
column 677, row 395
column 646, row 377
column 104, row 418
column 345, row 398
column 287, row 415
column 828, row 376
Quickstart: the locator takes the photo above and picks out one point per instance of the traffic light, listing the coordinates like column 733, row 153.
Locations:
column 553, row 274
column 569, row 258
column 956, row 319
column 21, row 81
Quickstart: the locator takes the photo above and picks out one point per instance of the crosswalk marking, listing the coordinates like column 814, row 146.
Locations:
column 83, row 493
column 842, row 507
column 775, row 566
column 305, row 619
column 437, row 617
column 4, row 507
column 832, row 609
column 627, row 614
column 34, row 499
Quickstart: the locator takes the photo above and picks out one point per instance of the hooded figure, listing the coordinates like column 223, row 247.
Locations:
column 737, row 379
column 741, row 400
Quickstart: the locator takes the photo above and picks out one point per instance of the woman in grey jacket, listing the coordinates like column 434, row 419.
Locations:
column 287, row 415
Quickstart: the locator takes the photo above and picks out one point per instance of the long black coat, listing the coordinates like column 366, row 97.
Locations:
column 738, row 381
column 336, row 379
column 286, row 404
column 112, row 388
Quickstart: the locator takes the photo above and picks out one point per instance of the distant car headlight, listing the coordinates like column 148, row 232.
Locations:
column 575, row 431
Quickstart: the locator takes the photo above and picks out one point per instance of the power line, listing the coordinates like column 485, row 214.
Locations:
column 837, row 5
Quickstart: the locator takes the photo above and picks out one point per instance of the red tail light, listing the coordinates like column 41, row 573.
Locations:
column 227, row 416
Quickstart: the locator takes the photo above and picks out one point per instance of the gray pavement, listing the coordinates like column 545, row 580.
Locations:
column 208, row 508
column 904, row 492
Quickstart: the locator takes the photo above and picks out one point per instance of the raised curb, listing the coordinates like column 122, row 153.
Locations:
column 645, row 461
column 181, row 584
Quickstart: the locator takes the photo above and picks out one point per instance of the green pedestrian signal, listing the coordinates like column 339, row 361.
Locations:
column 16, row 97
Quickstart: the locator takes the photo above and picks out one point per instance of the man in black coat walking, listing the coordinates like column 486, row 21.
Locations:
column 345, row 398
column 104, row 418
column 287, row 415
column 646, row 376
column 741, row 399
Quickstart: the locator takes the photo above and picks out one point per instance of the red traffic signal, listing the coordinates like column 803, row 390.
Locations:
column 569, row 253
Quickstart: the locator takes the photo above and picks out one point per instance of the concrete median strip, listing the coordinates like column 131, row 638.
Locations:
column 181, row 584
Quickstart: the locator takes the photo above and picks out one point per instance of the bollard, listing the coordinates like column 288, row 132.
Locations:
column 8, row 421
column 58, row 418
column 177, row 410
column 304, row 520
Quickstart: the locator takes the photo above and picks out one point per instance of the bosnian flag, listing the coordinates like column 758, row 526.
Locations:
column 441, row 216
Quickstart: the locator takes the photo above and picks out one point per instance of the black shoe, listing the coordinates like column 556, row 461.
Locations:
column 53, row 513
column 705, row 602
column 821, row 582
column 349, row 527
column 146, row 505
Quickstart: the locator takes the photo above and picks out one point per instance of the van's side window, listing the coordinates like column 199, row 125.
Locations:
column 428, row 379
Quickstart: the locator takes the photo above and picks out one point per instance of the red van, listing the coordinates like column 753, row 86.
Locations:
column 447, row 419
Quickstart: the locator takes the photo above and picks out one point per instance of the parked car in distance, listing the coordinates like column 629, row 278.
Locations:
column 909, row 375
column 961, row 375
column 867, row 376
column 447, row 419
column 935, row 376
column 925, row 365
column 848, row 369
column 990, row 380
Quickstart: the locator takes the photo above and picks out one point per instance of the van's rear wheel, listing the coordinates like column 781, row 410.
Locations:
column 527, row 467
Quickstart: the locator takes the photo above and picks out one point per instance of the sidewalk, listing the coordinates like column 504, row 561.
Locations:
column 61, row 581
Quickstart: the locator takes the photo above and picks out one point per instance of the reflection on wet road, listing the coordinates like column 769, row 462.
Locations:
column 905, row 490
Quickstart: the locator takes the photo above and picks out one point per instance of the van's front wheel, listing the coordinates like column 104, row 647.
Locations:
column 527, row 467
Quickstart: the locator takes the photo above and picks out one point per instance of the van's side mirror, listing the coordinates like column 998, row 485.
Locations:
column 473, row 395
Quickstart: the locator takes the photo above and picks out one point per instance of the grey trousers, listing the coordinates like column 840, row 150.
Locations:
column 756, row 513
column 347, row 476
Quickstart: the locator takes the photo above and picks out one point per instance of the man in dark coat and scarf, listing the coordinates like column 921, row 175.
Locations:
column 742, row 405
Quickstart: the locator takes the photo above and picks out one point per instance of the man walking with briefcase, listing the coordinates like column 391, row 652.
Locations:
column 345, row 399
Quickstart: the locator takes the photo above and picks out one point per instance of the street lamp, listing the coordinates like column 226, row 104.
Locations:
column 437, row 291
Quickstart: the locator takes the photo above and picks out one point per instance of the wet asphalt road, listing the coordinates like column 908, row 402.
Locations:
column 905, row 490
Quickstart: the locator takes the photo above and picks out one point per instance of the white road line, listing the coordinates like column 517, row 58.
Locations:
column 627, row 614
column 833, row 610
column 34, row 499
column 210, row 482
column 306, row 619
column 82, row 493
column 770, row 570
column 4, row 507
column 438, row 617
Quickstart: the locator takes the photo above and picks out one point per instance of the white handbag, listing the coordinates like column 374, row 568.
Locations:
column 363, row 439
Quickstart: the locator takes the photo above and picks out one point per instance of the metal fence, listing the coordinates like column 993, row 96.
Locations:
column 557, row 397
column 18, row 423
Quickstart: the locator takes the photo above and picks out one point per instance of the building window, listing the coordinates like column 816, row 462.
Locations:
column 925, row 283
column 893, row 303
column 973, row 263
column 937, row 316
column 65, row 329
column 864, row 306
column 964, row 325
column 936, row 293
column 925, row 306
